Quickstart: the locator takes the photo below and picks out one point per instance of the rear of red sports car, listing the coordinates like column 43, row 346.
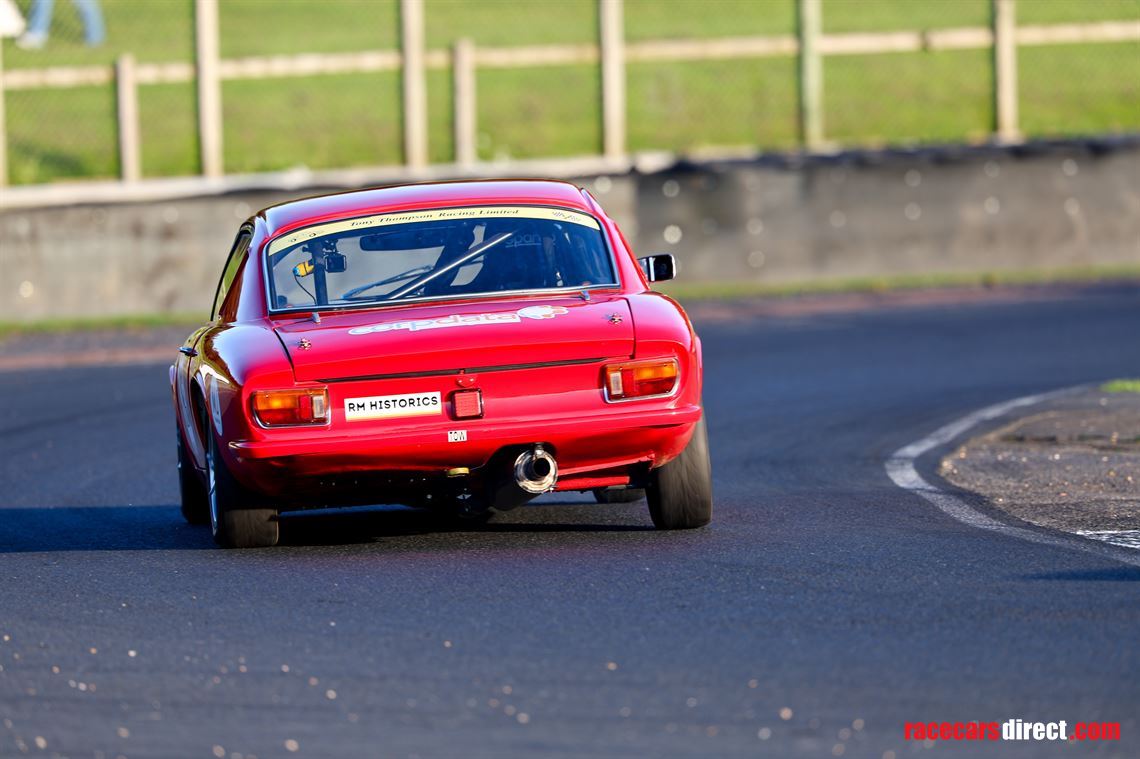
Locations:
column 463, row 347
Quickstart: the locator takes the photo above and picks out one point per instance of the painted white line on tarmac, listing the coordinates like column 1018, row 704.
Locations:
column 1126, row 538
column 900, row 468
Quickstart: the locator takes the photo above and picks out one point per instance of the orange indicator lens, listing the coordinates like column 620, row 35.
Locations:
column 282, row 408
column 640, row 379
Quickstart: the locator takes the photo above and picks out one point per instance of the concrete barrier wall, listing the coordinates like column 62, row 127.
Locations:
column 875, row 215
column 770, row 220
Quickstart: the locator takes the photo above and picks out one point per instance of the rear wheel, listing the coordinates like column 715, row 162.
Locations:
column 629, row 495
column 237, row 517
column 680, row 492
column 195, row 505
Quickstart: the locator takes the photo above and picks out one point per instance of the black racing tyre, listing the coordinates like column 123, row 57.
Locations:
column 680, row 493
column 238, row 519
column 629, row 495
column 195, row 504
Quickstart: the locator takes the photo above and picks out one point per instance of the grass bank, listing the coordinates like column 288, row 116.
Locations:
column 354, row 119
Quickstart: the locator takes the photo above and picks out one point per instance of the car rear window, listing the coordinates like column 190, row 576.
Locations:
column 437, row 253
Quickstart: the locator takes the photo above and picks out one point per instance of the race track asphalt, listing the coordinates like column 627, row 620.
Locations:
column 822, row 609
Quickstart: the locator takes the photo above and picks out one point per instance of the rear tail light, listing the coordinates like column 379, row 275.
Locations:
column 640, row 379
column 286, row 408
column 468, row 404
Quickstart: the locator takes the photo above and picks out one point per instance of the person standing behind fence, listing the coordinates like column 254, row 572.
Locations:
column 39, row 23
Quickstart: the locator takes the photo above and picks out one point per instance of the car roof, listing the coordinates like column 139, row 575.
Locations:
column 298, row 213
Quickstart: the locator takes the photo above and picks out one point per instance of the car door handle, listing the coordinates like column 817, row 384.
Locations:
column 186, row 350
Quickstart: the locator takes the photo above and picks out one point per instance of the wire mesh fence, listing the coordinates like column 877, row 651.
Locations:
column 699, row 75
column 1079, row 89
column 64, row 133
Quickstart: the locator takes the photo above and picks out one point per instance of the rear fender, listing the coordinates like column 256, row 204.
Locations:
column 235, row 361
column 183, row 389
column 662, row 327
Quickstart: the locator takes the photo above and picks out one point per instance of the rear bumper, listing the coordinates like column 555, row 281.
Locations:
column 625, row 436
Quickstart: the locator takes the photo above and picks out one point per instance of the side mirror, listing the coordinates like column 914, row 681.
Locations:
column 659, row 268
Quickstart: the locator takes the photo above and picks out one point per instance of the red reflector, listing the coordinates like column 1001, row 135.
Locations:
column 468, row 403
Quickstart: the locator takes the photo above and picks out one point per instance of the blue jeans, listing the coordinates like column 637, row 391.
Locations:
column 39, row 21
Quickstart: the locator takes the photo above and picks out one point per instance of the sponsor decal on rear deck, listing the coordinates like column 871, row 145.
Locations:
column 391, row 406
column 464, row 320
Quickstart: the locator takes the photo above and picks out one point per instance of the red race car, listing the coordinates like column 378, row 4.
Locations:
column 459, row 346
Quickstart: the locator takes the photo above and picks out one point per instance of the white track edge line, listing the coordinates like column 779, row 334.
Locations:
column 900, row 468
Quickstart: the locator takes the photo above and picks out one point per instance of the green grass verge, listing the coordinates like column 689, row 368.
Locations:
column 1122, row 386
column 354, row 119
column 141, row 321
column 736, row 290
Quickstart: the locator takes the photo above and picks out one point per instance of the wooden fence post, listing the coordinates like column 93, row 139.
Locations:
column 809, row 25
column 611, row 43
column 209, row 87
column 1005, row 71
column 463, row 92
column 415, row 83
column 127, row 111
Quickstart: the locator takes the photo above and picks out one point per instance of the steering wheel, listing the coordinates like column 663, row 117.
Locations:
column 409, row 274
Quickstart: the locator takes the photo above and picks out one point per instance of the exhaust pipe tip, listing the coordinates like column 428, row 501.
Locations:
column 536, row 470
